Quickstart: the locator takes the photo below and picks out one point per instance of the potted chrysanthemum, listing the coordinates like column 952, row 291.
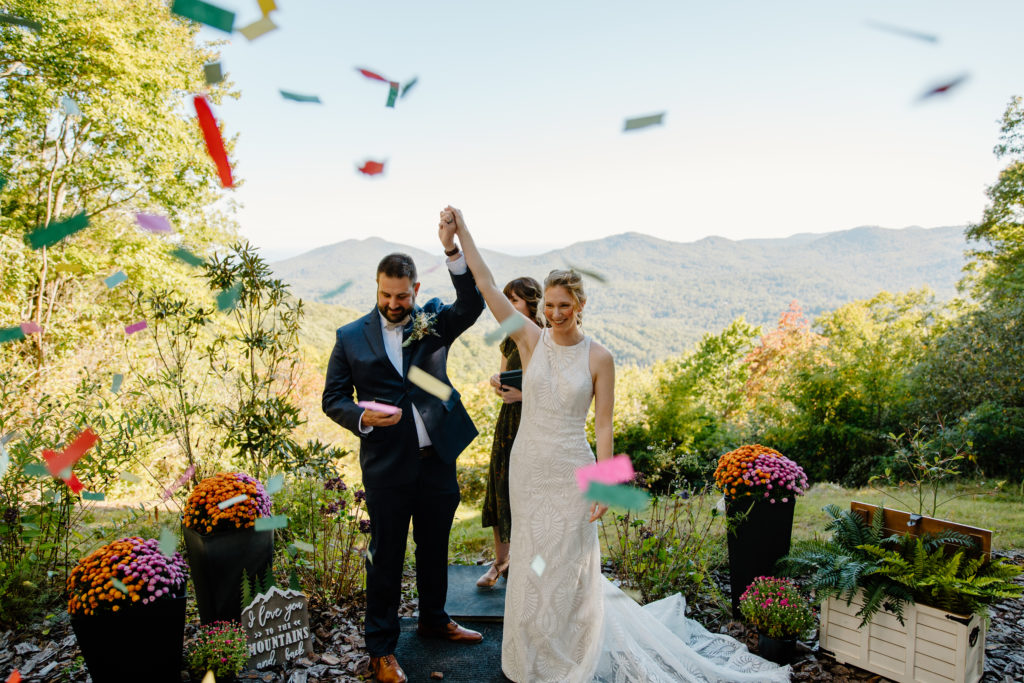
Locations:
column 760, row 486
column 218, row 526
column 781, row 615
column 220, row 648
column 127, row 607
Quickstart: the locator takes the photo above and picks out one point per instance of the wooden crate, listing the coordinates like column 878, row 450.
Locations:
column 931, row 646
column 900, row 522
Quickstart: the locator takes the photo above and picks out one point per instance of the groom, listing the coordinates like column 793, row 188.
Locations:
column 407, row 458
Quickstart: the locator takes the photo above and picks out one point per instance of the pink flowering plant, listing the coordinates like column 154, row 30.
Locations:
column 759, row 472
column 776, row 608
column 221, row 648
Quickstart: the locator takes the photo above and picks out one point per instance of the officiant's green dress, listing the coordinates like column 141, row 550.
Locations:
column 496, row 510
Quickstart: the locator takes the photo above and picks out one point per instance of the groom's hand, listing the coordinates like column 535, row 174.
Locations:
column 375, row 418
column 446, row 229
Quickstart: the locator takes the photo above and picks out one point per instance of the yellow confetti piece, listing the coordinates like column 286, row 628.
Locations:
column 258, row 28
column 209, row 677
column 429, row 383
column 267, row 6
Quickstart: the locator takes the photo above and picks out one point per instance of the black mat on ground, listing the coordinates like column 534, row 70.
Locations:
column 460, row 663
column 467, row 601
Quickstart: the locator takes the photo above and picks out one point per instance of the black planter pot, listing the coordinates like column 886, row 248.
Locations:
column 758, row 535
column 141, row 642
column 216, row 562
column 778, row 650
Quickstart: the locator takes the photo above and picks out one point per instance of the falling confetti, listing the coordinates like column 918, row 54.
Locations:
column 69, row 106
column 55, row 232
column 274, row 522
column 119, row 586
column 620, row 496
column 644, row 122
column 68, row 268
column 408, row 86
column 136, row 327
column 87, row 495
column 944, row 88
column 214, row 142
column 129, row 477
column 906, row 32
column 205, row 13
column 30, row 327
column 115, row 279
column 336, row 292
column 616, row 470
column 179, row 483
column 258, row 28
column 275, row 484
column 538, row 565
column 510, row 325
column 370, row 74
column 392, row 94
column 225, row 504
column 379, row 407
column 168, row 542
column 212, row 73
column 187, row 256
column 153, row 223
column 302, row 545
column 115, row 385
column 372, row 168
column 429, row 383
column 300, row 98
column 267, row 6
column 12, row 20
column 56, row 463
column 228, row 299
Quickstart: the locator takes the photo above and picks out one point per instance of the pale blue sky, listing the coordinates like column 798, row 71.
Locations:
column 782, row 117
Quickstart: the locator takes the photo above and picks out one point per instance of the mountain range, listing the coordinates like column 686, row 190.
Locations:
column 658, row 297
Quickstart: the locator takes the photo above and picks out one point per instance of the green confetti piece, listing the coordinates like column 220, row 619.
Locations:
column 115, row 279
column 8, row 334
column 168, row 542
column 89, row 495
column 274, row 522
column 305, row 547
column 213, row 73
column 3, row 181
column 408, row 86
column 129, row 477
column 589, row 273
column 115, row 386
column 392, row 94
column 644, row 121
column 618, row 495
column 510, row 325
column 55, row 232
column 36, row 469
column 116, row 583
column 205, row 13
column 337, row 291
column 12, row 20
column 299, row 98
column 291, row 550
column 228, row 299
column 183, row 254
column 275, row 484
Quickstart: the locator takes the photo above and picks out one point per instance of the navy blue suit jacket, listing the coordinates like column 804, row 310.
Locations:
column 359, row 363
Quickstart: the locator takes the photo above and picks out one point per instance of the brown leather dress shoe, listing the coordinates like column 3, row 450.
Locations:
column 386, row 670
column 450, row 631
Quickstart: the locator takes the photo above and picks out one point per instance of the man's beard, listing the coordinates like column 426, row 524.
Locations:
column 395, row 315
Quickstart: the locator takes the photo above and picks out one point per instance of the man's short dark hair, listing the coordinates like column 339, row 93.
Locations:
column 397, row 265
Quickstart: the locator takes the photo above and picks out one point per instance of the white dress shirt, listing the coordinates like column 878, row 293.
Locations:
column 393, row 347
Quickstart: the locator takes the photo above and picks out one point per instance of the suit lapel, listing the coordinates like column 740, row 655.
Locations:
column 408, row 349
column 375, row 337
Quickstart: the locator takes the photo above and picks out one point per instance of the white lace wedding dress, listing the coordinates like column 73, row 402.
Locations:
column 568, row 623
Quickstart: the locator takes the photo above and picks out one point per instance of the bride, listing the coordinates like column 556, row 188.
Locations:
column 563, row 620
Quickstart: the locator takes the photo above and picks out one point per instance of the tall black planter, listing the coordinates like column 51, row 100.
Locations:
column 141, row 642
column 759, row 533
column 216, row 562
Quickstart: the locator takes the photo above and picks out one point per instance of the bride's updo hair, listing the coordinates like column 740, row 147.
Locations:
column 572, row 281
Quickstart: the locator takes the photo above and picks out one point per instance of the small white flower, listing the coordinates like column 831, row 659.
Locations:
column 422, row 325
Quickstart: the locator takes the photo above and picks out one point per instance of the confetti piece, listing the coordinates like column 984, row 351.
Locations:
column 115, row 385
column 379, row 407
column 214, row 142
column 299, row 98
column 3, row 181
column 370, row 74
column 227, row 300
column 205, row 13
column 209, row 677
column 73, row 484
column 392, row 94
column 212, row 73
column 617, row 470
column 429, row 383
column 30, row 328
column 644, row 121
column 302, row 545
column 510, row 325
column 68, row 268
column 115, row 279
column 267, row 6
column 225, row 504
column 268, row 523
column 6, row 18
column 57, row 462
column 15, row 677
column 179, row 483
column 408, row 86
column 9, row 438
column 35, row 469
column 55, row 232
column 372, row 168
column 136, row 327
column 187, row 256
column 5, row 460
column 87, row 495
column 275, row 484
column 336, row 292
column 69, row 106
column 9, row 334
column 900, row 31
column 258, row 28
column 538, row 565
column 944, row 88
column 153, row 222
column 116, row 583
column 129, row 477
column 168, row 542
column 619, row 496
column 589, row 273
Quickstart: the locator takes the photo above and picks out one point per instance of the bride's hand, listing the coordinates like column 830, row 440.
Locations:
column 446, row 229
column 596, row 511
column 460, row 222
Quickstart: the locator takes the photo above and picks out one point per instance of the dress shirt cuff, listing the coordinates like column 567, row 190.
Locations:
column 458, row 266
column 362, row 429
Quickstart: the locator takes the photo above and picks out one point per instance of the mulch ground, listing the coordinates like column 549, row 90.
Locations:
column 47, row 651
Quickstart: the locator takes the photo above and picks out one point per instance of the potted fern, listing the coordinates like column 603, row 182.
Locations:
column 900, row 605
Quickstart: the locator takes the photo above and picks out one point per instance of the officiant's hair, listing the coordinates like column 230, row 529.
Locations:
column 573, row 283
column 527, row 289
column 397, row 265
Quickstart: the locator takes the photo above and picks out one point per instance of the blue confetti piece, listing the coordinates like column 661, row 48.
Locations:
column 274, row 522
column 119, row 586
column 275, row 484
column 115, row 386
column 115, row 279
column 88, row 495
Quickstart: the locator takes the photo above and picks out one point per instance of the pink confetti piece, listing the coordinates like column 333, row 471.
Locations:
column 379, row 407
column 179, row 483
column 153, row 223
column 30, row 328
column 616, row 470
column 136, row 327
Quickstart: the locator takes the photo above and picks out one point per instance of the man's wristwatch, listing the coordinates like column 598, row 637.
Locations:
column 451, row 252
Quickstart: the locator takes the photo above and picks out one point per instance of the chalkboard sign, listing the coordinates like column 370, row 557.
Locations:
column 277, row 628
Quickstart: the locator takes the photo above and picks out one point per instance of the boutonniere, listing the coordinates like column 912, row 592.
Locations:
column 422, row 325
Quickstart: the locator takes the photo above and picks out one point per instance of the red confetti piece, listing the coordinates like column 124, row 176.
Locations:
column 214, row 142
column 15, row 677
column 370, row 74
column 945, row 87
column 372, row 168
column 58, row 462
column 137, row 327
column 73, row 484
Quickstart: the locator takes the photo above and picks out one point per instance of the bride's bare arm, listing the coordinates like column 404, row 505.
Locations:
column 501, row 308
column 603, row 368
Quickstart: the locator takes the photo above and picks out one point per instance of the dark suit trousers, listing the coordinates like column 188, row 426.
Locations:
column 430, row 503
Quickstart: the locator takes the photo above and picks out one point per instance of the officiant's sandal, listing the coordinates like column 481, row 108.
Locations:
column 493, row 573
column 450, row 631
column 386, row 670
